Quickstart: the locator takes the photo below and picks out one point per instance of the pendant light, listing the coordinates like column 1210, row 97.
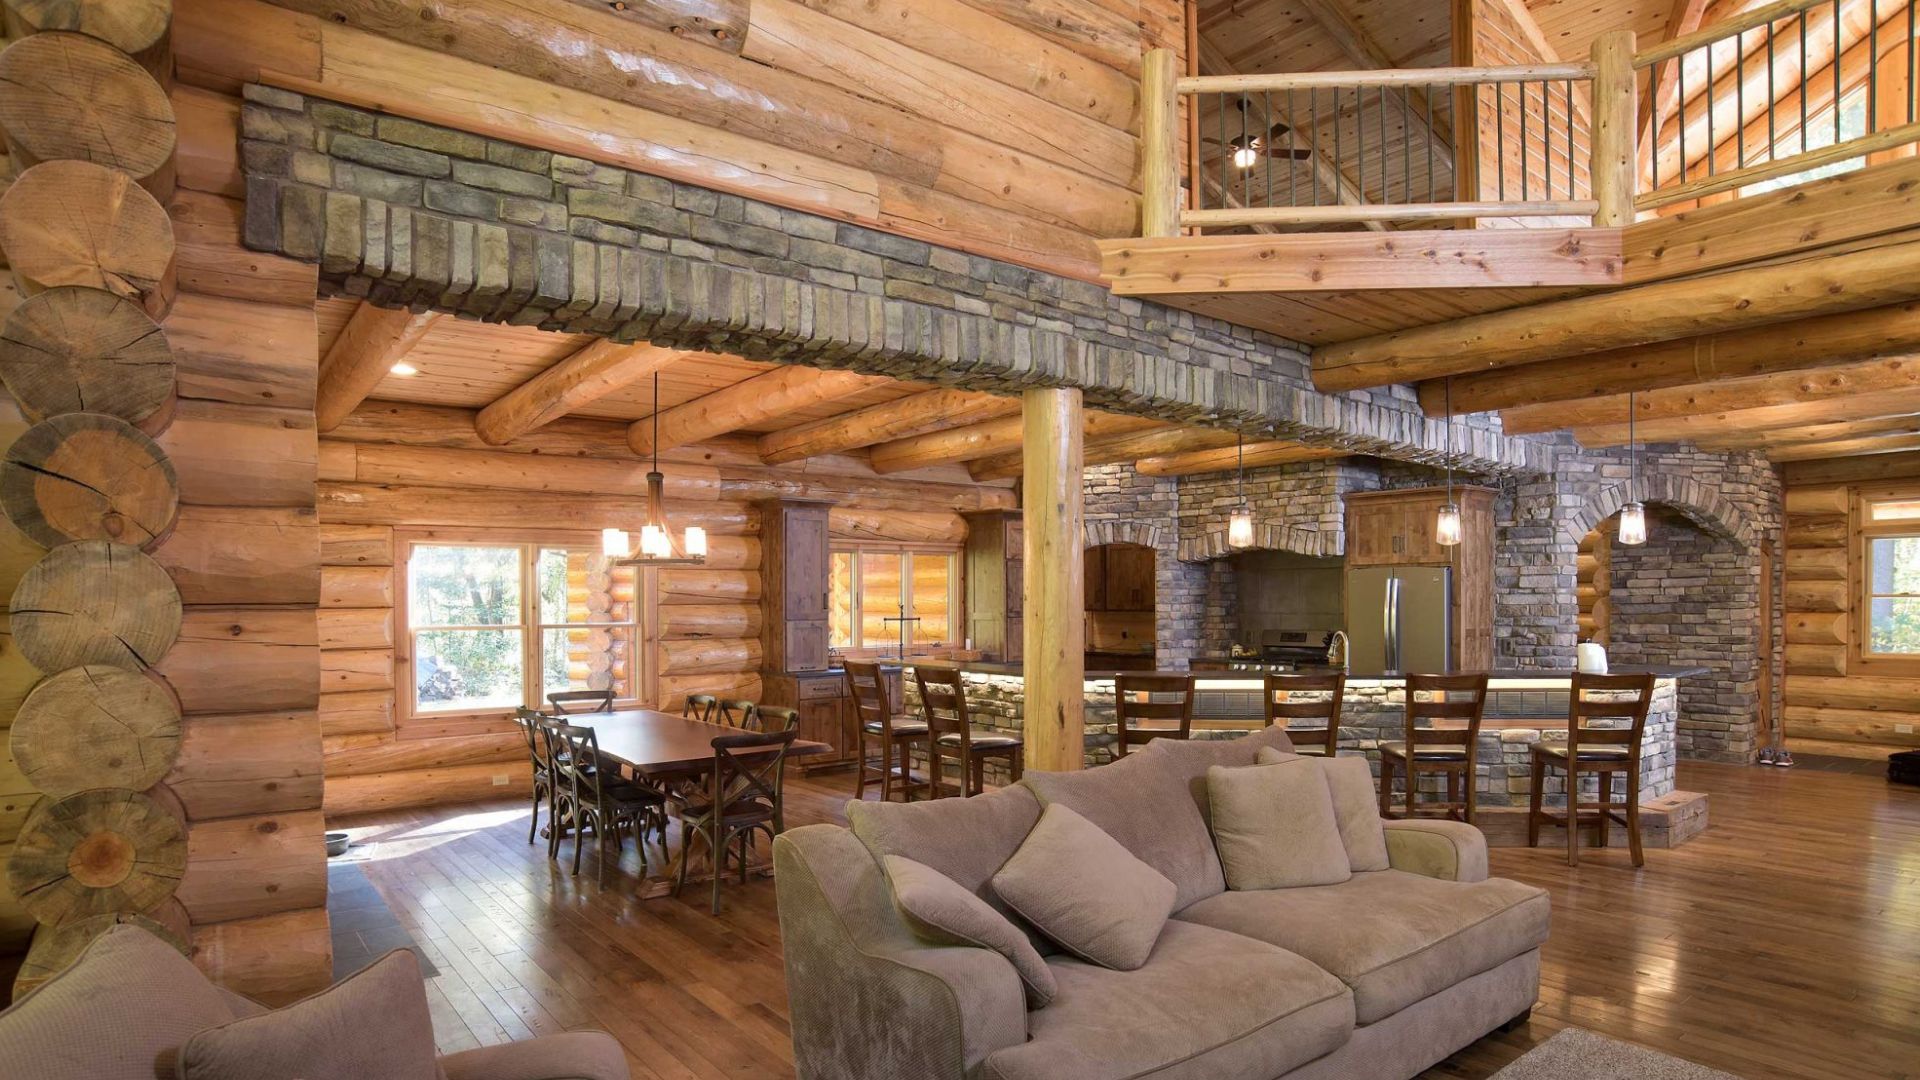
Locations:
column 1240, row 523
column 1446, row 528
column 1633, row 516
column 656, row 541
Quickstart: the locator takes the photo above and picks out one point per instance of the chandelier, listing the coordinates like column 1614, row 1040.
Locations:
column 656, row 540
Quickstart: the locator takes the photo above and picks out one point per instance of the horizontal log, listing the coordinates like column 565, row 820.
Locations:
column 745, row 404
column 1155, row 441
column 247, row 763
column 428, row 787
column 95, row 727
column 931, row 410
column 850, row 523
column 228, row 454
column 1807, row 531
column 693, row 621
column 511, row 472
column 73, row 97
column 355, row 628
column 208, row 158
column 364, row 352
column 1882, row 444
column 356, row 713
column 212, row 261
column 73, row 349
column 245, row 660
column 889, row 493
column 356, row 587
column 1853, row 470
column 699, row 585
column 1852, row 725
column 356, row 545
column 1816, row 659
column 81, row 224
column 1816, row 628
column 17, row 798
column 1861, row 692
column 401, row 504
column 138, row 28
column 1340, row 262
column 94, row 852
column 406, row 755
column 689, row 657
column 245, row 352
column 1815, row 596
column 244, row 867
column 1840, row 382
column 88, row 476
column 92, row 602
column 344, row 670
column 599, row 368
column 1824, row 499
column 1255, row 455
column 739, row 685
column 274, row 959
column 243, row 555
column 1816, row 564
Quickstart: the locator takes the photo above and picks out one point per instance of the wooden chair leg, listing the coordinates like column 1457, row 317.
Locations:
column 1573, row 812
column 1017, row 762
column 860, row 766
column 1470, row 780
column 978, row 774
column 1536, row 800
column 533, row 825
column 1411, row 766
column 1453, row 792
column 1633, row 816
column 1386, row 786
column 886, row 769
column 1606, row 808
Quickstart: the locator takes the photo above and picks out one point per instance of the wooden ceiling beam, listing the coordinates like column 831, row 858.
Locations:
column 1836, row 383
column 1787, row 438
column 934, row 410
column 1823, row 341
column 744, row 404
column 1838, row 448
column 1708, row 425
column 1851, row 469
column 374, row 339
column 976, row 441
column 1229, row 458
column 596, row 370
column 1155, row 439
column 1638, row 316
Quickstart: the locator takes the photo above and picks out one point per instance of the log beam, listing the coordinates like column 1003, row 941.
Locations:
column 374, row 339
column 1839, row 384
column 744, row 404
column 934, row 410
column 977, row 441
column 596, row 370
column 1852, row 470
column 1708, row 425
column 1821, row 341
column 1786, row 438
column 1054, row 566
column 1260, row 454
column 1659, row 312
column 1154, row 439
column 1843, row 448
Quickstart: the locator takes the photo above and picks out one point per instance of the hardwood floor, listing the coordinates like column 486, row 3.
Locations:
column 1783, row 943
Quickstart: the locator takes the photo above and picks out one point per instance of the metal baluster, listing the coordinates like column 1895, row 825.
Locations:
column 1873, row 67
column 1803, row 81
column 1406, row 142
column 1500, row 133
column 1653, row 133
column 1226, row 151
column 1740, row 100
column 1293, row 119
column 1838, row 41
column 1360, row 133
column 1912, row 41
column 1713, row 144
column 1247, row 144
column 1523, row 141
column 1570, row 191
column 1680, row 79
column 1313, row 98
column 1773, row 100
column 1266, row 121
column 1386, row 178
column 1429, row 138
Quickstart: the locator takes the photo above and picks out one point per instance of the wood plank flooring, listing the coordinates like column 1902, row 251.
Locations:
column 1783, row 943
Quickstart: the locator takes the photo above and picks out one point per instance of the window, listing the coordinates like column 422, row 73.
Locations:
column 493, row 626
column 1890, row 574
column 873, row 589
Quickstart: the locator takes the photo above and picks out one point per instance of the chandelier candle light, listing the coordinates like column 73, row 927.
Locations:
column 1446, row 528
column 656, row 542
column 1633, row 516
column 1240, row 524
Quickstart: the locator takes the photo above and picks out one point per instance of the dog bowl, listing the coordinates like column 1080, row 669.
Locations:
column 338, row 843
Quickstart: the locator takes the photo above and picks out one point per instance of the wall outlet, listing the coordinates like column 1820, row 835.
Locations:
column 1903, row 729
column 501, row 780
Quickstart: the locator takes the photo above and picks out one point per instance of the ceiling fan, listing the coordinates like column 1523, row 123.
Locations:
column 1246, row 150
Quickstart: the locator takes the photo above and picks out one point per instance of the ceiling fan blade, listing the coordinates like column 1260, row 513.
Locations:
column 1277, row 132
column 1283, row 153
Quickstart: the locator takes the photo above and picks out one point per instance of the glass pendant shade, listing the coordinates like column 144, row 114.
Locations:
column 653, row 542
column 1240, row 529
column 1446, row 528
column 696, row 542
column 1633, row 524
column 615, row 543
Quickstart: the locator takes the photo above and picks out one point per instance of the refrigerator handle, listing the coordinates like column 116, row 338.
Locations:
column 1391, row 620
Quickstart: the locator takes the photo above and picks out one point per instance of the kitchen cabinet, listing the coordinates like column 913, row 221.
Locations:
column 996, row 583
column 1397, row 528
column 796, row 568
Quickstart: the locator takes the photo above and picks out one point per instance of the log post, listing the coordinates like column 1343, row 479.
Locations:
column 77, row 223
column 1614, row 163
column 85, row 476
column 84, row 350
column 1054, row 630
column 1159, row 147
column 70, row 97
column 140, row 28
column 366, row 350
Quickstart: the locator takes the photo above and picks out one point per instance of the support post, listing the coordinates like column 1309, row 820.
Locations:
column 1615, row 164
column 1054, row 630
column 1463, row 17
column 1159, row 147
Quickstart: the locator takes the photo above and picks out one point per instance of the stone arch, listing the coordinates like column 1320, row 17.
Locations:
column 1101, row 533
column 1697, row 502
column 1212, row 544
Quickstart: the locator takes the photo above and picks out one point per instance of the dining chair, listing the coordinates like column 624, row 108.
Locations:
column 1284, row 707
column 742, row 796
column 606, row 805
column 897, row 736
column 1450, row 751
column 528, row 721
column 943, row 700
column 1601, row 752
column 701, row 707
column 571, row 702
column 738, row 713
column 1146, row 698
column 776, row 717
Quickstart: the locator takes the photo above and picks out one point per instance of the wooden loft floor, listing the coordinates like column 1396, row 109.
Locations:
column 1780, row 943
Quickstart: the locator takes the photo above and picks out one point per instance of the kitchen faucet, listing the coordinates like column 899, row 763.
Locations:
column 1337, row 649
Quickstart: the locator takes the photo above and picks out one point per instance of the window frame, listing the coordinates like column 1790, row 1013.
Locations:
column 956, row 595
column 644, row 641
column 1863, row 532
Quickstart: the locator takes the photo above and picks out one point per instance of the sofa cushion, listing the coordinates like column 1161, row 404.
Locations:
column 1206, row 1005
column 1393, row 937
column 120, row 1012
column 943, row 913
column 964, row 839
column 575, row 1055
column 1085, row 891
column 1274, row 825
column 1356, row 807
column 374, row 1023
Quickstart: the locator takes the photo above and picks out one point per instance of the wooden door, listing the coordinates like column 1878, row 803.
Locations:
column 804, row 555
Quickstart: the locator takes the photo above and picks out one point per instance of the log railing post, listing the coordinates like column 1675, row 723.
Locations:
column 1054, row 630
column 1614, row 164
column 1159, row 148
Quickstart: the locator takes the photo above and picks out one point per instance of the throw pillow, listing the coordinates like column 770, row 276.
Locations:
column 1085, row 891
column 375, row 1023
column 1356, row 807
column 942, row 912
column 1274, row 826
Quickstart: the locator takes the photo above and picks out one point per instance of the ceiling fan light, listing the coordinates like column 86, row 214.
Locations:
column 1245, row 157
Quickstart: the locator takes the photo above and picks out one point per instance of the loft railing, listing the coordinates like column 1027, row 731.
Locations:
column 1787, row 88
column 1319, row 148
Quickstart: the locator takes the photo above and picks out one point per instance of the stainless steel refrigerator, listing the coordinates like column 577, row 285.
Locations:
column 1400, row 620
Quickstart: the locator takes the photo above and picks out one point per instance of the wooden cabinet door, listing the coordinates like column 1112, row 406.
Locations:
column 806, row 645
column 804, row 555
column 820, row 722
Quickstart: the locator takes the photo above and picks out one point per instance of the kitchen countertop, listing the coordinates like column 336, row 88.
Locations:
column 1663, row 671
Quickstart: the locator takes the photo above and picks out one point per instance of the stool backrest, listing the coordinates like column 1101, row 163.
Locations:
column 868, row 688
column 1144, row 697
column 1581, row 711
column 1283, row 706
column 1457, row 697
column 943, row 701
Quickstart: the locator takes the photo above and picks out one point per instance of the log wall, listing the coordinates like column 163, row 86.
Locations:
column 1003, row 129
column 395, row 470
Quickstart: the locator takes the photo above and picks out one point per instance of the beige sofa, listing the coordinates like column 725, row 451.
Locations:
column 1378, row 977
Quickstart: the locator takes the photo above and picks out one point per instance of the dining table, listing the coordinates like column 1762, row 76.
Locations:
column 652, row 745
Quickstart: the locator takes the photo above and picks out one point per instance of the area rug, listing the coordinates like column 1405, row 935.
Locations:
column 1574, row 1054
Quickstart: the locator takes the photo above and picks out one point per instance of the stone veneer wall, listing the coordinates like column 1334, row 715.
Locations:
column 404, row 213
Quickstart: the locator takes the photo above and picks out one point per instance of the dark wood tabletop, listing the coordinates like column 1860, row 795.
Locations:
column 650, row 742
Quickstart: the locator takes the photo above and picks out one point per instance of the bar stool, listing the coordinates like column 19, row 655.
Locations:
column 943, row 698
column 1133, row 699
column 1600, row 751
column 1449, row 751
column 874, row 719
column 1322, row 739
